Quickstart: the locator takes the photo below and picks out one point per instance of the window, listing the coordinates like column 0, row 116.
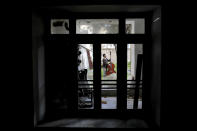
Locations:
column 109, row 72
column 109, row 76
column 104, row 86
column 135, row 26
column 97, row 26
column 133, row 50
column 59, row 26
column 85, row 76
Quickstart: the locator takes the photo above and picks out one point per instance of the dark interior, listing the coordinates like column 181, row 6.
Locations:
column 54, row 64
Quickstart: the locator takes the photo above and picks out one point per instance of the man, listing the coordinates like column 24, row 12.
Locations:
column 105, row 63
column 84, row 64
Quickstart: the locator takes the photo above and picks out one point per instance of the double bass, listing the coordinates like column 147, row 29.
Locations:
column 110, row 67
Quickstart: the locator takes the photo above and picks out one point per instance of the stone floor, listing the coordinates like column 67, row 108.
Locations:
column 97, row 123
column 130, row 103
column 90, row 74
column 112, row 76
column 111, row 103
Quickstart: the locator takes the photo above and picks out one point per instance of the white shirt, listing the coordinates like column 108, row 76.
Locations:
column 84, row 59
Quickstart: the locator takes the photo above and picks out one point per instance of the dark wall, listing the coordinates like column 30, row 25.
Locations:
column 60, row 58
column 38, row 67
column 156, row 49
column 59, row 61
column 53, row 71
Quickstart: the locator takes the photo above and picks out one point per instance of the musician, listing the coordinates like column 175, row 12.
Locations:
column 105, row 64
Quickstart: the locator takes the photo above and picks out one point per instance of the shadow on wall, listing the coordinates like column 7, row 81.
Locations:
column 156, row 66
column 38, row 67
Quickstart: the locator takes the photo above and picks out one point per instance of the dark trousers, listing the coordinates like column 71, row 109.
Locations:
column 83, row 74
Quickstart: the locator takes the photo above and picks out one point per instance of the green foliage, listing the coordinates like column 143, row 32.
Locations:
column 101, row 73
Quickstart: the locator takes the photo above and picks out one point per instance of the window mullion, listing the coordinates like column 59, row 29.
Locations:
column 122, row 68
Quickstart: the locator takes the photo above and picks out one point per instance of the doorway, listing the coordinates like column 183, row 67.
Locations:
column 93, row 88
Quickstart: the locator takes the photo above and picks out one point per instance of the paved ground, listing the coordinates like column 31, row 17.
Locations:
column 111, row 103
column 112, row 76
column 90, row 74
column 130, row 103
column 129, row 77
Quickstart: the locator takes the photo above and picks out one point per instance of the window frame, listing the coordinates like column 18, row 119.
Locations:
column 121, row 39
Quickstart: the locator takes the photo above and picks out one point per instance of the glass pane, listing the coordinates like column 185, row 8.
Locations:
column 85, row 76
column 59, row 26
column 109, row 76
column 132, row 52
column 97, row 26
column 108, row 97
column 109, row 61
column 135, row 26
